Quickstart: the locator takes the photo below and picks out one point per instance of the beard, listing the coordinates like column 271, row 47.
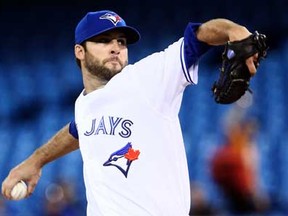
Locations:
column 96, row 68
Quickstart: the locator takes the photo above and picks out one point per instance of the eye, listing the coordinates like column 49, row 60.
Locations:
column 103, row 40
column 122, row 41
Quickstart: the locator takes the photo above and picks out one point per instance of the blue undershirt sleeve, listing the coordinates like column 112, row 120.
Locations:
column 193, row 48
column 73, row 129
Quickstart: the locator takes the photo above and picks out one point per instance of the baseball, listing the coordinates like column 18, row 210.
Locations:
column 19, row 191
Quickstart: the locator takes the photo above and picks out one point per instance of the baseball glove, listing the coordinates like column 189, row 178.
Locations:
column 234, row 77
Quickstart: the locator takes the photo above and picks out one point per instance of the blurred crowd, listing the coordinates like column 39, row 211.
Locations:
column 234, row 169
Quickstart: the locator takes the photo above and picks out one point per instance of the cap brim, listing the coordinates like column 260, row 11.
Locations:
column 131, row 34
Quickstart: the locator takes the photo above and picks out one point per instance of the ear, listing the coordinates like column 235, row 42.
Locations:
column 79, row 51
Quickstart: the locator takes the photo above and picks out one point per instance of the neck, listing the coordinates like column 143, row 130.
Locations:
column 92, row 83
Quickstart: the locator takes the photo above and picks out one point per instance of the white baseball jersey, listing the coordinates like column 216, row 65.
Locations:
column 130, row 137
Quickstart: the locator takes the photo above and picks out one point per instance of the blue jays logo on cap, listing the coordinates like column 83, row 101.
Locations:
column 96, row 23
column 123, row 158
column 113, row 18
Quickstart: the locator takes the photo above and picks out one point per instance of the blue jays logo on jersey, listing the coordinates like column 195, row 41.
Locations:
column 123, row 158
column 114, row 18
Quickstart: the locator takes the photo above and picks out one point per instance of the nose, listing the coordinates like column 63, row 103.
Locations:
column 115, row 47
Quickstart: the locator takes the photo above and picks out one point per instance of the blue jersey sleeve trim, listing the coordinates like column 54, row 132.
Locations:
column 193, row 48
column 73, row 129
column 185, row 71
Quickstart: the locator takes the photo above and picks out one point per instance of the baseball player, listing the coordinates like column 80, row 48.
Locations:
column 126, row 118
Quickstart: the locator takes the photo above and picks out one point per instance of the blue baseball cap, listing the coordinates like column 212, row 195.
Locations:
column 96, row 23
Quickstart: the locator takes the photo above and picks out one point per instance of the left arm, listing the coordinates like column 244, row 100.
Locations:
column 220, row 31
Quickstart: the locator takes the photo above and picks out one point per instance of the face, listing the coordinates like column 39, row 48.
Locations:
column 105, row 55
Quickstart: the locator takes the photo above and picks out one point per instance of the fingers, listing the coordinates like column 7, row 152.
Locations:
column 31, row 187
column 252, row 64
column 8, row 184
column 25, row 172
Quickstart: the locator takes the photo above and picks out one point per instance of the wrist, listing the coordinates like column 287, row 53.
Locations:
column 38, row 159
column 237, row 33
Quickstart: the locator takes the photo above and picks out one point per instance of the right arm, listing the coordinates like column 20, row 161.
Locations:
column 29, row 170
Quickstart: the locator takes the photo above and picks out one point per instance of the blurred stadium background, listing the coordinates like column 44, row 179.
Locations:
column 39, row 82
